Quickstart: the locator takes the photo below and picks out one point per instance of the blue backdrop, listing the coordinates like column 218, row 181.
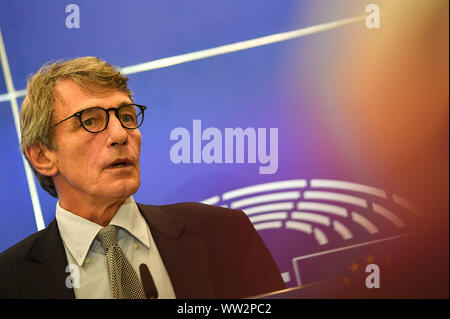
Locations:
column 299, row 86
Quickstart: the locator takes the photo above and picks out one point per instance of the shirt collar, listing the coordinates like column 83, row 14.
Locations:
column 129, row 218
column 78, row 233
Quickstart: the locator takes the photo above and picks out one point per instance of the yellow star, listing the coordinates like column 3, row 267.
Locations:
column 370, row 259
column 354, row 267
column 347, row 281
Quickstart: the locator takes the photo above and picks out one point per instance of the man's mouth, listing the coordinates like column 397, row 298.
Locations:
column 119, row 163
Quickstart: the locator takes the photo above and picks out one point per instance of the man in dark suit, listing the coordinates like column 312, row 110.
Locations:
column 79, row 129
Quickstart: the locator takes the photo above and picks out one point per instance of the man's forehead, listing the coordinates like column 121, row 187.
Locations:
column 71, row 95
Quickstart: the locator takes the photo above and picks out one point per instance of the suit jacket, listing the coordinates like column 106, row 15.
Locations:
column 208, row 251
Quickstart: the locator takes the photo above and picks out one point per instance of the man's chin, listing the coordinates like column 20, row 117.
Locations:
column 122, row 189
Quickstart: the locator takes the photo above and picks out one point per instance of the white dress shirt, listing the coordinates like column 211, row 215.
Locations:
column 85, row 252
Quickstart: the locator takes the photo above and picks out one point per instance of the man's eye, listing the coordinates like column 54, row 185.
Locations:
column 127, row 118
column 89, row 122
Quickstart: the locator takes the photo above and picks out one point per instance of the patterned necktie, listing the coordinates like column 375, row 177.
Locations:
column 123, row 280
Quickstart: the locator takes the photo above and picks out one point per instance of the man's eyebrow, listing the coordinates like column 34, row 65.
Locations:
column 125, row 103
column 97, row 105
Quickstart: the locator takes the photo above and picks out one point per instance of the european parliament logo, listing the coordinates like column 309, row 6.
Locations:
column 321, row 229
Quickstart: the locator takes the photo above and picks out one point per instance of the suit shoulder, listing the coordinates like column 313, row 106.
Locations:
column 194, row 209
column 203, row 216
column 19, row 250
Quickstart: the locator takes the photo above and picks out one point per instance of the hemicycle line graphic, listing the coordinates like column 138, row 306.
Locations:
column 331, row 213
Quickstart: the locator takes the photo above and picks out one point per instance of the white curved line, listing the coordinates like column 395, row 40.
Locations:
column 303, row 227
column 407, row 204
column 268, row 225
column 270, row 216
column 388, row 215
column 365, row 223
column 39, row 218
column 335, row 197
column 233, row 47
column 332, row 209
column 237, row 46
column 211, row 201
column 312, row 217
column 320, row 236
column 268, row 208
column 328, row 183
column 12, row 95
column 342, row 230
column 274, row 197
column 295, row 183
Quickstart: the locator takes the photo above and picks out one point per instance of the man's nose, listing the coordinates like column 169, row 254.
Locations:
column 118, row 135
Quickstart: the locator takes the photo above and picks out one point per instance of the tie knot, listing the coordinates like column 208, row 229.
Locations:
column 108, row 236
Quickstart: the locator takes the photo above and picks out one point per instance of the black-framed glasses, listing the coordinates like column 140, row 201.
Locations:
column 95, row 119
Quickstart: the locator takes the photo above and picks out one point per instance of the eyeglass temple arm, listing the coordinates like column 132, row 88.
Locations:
column 76, row 114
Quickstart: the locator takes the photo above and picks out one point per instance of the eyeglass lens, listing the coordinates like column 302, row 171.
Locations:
column 95, row 119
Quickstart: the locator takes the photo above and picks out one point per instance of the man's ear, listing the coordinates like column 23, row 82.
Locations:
column 42, row 159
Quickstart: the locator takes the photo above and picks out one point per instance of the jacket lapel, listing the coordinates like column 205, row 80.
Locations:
column 184, row 254
column 43, row 274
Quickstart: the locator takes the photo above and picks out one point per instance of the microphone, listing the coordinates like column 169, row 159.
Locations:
column 147, row 282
